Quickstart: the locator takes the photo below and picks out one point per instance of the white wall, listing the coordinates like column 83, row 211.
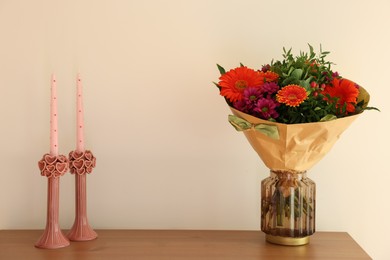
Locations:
column 167, row 157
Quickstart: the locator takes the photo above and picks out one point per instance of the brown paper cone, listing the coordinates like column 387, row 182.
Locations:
column 299, row 146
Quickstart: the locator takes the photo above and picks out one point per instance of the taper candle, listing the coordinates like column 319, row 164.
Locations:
column 80, row 116
column 81, row 163
column 53, row 118
column 53, row 166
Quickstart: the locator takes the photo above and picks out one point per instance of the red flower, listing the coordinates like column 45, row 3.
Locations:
column 269, row 76
column 346, row 91
column 291, row 95
column 234, row 82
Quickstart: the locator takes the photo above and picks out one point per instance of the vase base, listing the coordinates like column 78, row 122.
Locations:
column 287, row 241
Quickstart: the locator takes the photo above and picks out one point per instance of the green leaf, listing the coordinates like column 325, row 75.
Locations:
column 290, row 80
column 290, row 70
column 372, row 108
column 297, row 73
column 221, row 69
column 305, row 84
column 328, row 117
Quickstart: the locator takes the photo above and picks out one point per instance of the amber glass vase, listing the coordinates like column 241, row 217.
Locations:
column 288, row 208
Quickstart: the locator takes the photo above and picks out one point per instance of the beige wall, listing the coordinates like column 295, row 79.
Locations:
column 167, row 157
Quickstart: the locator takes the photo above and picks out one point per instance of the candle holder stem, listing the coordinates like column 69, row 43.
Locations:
column 81, row 230
column 52, row 236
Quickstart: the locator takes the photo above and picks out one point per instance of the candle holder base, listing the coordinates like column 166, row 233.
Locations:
column 51, row 239
column 81, row 232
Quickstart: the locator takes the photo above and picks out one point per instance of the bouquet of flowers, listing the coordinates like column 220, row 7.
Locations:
column 292, row 111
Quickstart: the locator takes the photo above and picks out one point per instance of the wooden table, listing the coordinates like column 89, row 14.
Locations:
column 179, row 244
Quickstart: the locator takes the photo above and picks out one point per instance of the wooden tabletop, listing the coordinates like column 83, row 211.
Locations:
column 179, row 244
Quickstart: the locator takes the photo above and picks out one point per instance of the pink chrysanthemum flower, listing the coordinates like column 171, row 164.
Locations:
column 266, row 108
column 249, row 100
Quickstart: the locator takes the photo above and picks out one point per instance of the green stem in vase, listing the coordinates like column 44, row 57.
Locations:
column 279, row 204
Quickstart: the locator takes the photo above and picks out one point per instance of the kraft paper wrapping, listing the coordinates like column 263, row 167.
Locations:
column 299, row 146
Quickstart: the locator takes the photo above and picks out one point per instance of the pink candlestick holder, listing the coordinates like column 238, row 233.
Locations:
column 53, row 167
column 81, row 163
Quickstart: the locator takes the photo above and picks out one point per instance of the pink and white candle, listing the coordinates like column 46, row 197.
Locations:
column 80, row 116
column 53, row 118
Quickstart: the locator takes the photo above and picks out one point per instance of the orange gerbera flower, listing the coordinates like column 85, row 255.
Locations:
column 291, row 95
column 234, row 82
column 269, row 76
column 346, row 91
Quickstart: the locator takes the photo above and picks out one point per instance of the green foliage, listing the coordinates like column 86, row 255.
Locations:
column 312, row 110
column 221, row 69
column 303, row 69
column 312, row 72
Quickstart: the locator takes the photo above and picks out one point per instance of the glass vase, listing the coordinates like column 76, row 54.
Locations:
column 288, row 207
